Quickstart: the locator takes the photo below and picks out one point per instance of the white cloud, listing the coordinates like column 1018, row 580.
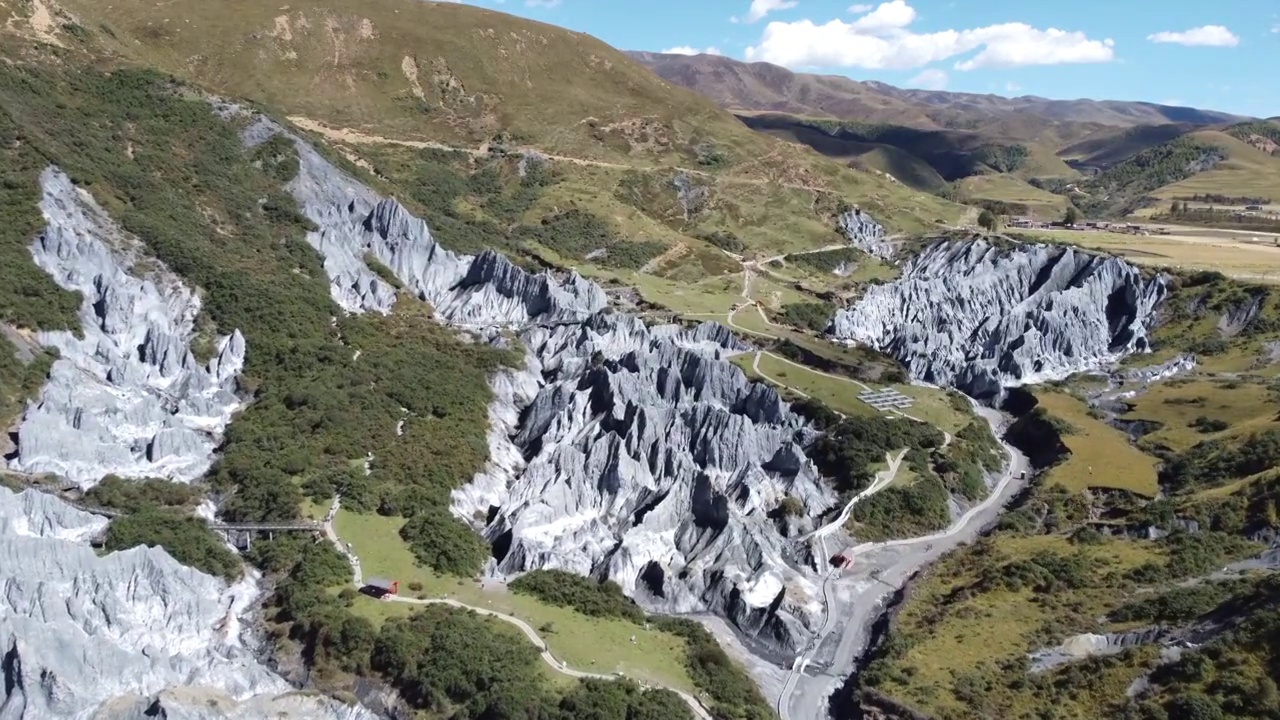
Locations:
column 1206, row 36
column 856, row 9
column 882, row 39
column 1012, row 87
column 888, row 16
column 1275, row 28
column 542, row 3
column 760, row 8
column 931, row 79
column 688, row 50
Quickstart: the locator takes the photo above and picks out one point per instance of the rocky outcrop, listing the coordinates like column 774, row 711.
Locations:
column 617, row 450
column 970, row 315
column 127, row 635
column 865, row 234
column 127, row 396
column 1086, row 645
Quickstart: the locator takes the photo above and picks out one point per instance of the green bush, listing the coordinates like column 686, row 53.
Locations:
column 133, row 495
column 188, row 539
column 20, row 381
column 444, row 543
column 28, row 296
column 815, row 316
column 587, row 596
column 1208, row 425
column 733, row 691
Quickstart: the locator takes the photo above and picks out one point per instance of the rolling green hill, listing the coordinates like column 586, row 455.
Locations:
column 1135, row 173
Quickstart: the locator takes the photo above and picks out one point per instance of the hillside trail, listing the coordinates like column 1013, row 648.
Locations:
column 544, row 651
column 857, row 596
column 356, row 137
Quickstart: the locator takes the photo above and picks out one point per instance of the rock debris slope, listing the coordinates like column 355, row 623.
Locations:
column 130, row 635
column 970, row 315
column 128, row 397
column 618, row 450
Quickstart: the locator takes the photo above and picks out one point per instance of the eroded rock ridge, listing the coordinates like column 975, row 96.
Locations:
column 981, row 318
column 128, row 396
column 618, row 450
column 126, row 635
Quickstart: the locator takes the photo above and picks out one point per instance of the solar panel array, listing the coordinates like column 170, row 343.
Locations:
column 885, row 399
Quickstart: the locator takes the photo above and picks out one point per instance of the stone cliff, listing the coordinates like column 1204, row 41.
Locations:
column 981, row 318
column 618, row 450
column 133, row 634
column 127, row 396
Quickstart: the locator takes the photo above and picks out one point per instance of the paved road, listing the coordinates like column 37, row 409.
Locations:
column 357, row 579
column 857, row 597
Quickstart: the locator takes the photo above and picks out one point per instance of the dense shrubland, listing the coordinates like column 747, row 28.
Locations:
column 473, row 206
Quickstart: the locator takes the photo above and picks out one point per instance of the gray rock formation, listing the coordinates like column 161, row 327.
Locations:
column 128, row 397
column 125, row 635
column 1172, row 367
column 692, row 197
column 865, row 234
column 973, row 316
column 1086, row 645
column 618, row 450
column 1240, row 316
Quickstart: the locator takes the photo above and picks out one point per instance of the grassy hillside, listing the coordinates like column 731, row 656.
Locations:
column 1075, row 556
column 1005, row 189
column 1245, row 171
column 1106, row 148
column 456, row 74
column 392, row 84
column 984, row 169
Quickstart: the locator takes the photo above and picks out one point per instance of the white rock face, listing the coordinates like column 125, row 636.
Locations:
column 128, row 397
column 866, row 234
column 969, row 315
column 618, row 450
column 83, row 636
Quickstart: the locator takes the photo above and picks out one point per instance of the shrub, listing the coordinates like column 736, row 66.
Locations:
column 587, row 596
column 1208, row 425
column 815, row 316
column 444, row 543
column 186, row 538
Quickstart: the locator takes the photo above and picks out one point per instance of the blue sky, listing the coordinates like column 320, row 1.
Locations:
column 1220, row 55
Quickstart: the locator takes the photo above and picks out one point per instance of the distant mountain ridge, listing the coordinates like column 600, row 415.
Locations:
column 765, row 87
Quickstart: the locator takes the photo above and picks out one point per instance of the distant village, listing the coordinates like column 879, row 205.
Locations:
column 1030, row 223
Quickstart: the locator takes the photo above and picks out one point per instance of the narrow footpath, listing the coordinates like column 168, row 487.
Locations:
column 357, row 579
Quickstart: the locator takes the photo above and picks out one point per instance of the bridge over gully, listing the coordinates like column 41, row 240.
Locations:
column 238, row 534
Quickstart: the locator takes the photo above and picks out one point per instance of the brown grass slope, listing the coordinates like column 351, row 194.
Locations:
column 467, row 77
column 762, row 86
